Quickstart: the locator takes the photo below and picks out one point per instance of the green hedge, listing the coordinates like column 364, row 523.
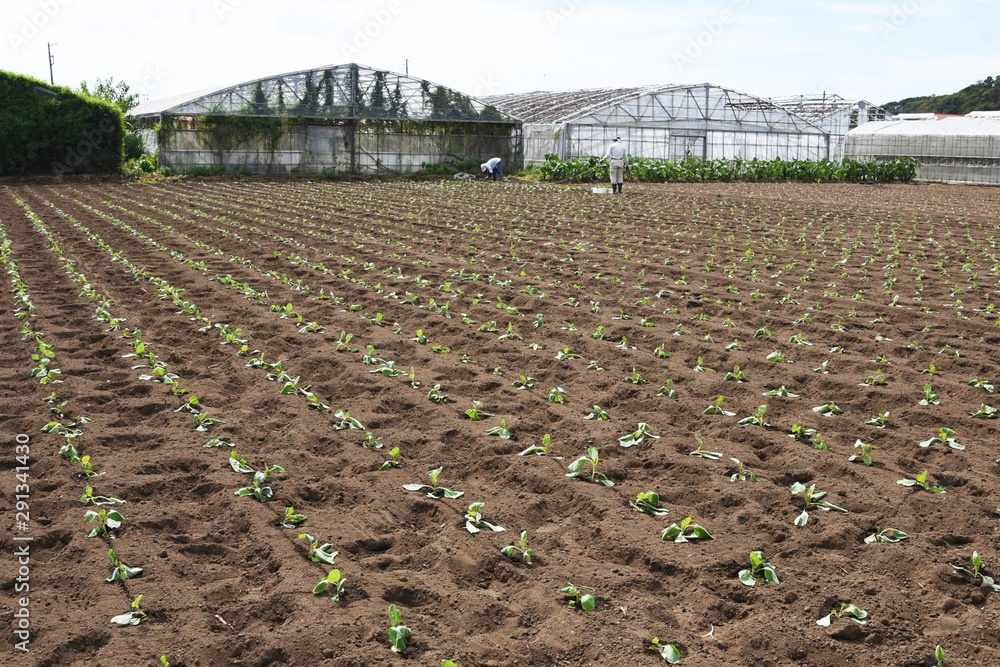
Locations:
column 51, row 130
column 662, row 171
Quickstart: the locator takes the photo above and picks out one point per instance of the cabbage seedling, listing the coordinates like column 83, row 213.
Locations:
column 781, row 391
column 921, row 482
column 828, row 410
column 435, row 395
column 865, row 457
column 475, row 413
column 435, row 490
column 703, row 454
column 578, row 600
column 87, row 468
column 667, row 389
column 755, row 419
column 502, row 431
column 760, row 570
column 881, row 420
column 670, row 653
column 519, row 550
column 239, row 465
column 524, row 382
column 346, row 421
column 944, row 437
column 121, row 571
column 542, row 450
column 257, row 489
column 399, row 634
column 557, row 395
column 292, row 519
column 813, row 499
column 394, row 460
column 736, row 374
column 637, row 436
column 985, row 412
column 585, row 468
column 648, row 502
column 598, row 413
column 716, row 408
column 851, row 612
column 319, row 553
column 743, row 473
column 204, row 423
column 565, row 355
column 888, row 536
column 983, row 384
column 218, row 442
column 976, row 573
column 371, row 442
column 332, row 581
column 930, row 398
column 685, row 532
column 107, row 522
column 473, row 519
column 88, row 498
column 133, row 617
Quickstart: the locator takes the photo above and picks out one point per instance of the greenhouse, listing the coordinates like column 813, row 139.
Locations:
column 950, row 149
column 342, row 118
column 671, row 122
column 835, row 114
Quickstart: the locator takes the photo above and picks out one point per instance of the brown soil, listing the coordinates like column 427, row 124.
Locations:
column 225, row 584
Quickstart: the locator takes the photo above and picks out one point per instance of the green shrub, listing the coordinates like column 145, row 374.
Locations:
column 51, row 130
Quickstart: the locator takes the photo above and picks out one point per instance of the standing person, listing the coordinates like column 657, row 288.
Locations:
column 494, row 167
column 617, row 156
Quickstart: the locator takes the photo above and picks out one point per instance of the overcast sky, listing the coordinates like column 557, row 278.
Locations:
column 872, row 49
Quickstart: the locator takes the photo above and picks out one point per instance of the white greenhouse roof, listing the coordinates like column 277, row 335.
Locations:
column 949, row 125
column 815, row 107
column 554, row 106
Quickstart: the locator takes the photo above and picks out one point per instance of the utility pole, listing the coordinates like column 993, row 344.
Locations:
column 407, row 67
column 52, row 78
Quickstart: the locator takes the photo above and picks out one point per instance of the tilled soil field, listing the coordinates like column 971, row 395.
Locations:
column 786, row 327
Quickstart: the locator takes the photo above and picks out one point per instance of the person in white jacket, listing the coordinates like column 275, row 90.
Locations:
column 494, row 167
column 617, row 156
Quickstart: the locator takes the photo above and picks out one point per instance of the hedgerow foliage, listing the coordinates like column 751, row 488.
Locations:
column 662, row 171
column 50, row 130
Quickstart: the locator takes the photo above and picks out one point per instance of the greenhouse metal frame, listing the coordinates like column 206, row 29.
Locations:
column 835, row 114
column 672, row 122
column 340, row 117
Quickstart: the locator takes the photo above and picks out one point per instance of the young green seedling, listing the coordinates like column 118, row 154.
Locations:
column 985, row 412
column 887, row 536
column 292, row 519
column 394, row 460
column 865, row 457
column 108, row 522
column 939, row 656
column 598, row 413
column 812, row 499
column 121, row 571
column 976, row 573
column 635, row 378
column 849, row 611
column 257, row 488
column 399, row 634
column 921, row 482
column 755, row 419
column 519, row 550
column 637, row 436
column 346, row 421
column 983, row 384
column 760, row 570
column 944, row 437
column 88, row 498
column 332, row 582
column 565, row 355
column 670, row 653
column 685, row 532
column 743, row 473
column 716, row 408
column 542, row 450
column 319, row 553
column 239, row 465
column 667, row 389
column 557, row 395
column 475, row 413
column 702, row 453
column 87, row 468
column 500, row 431
column 133, row 617
column 371, row 442
column 781, row 391
column 829, row 410
column 736, row 374
column 433, row 489
column 577, row 599
column 648, row 502
column 881, row 420
column 524, row 382
column 806, row 434
column 585, row 468
column 474, row 518
column 435, row 395
column 930, row 398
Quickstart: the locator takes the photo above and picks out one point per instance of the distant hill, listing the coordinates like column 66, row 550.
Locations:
column 980, row 96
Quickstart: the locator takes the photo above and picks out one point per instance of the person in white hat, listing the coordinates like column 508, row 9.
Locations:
column 617, row 157
column 494, row 167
